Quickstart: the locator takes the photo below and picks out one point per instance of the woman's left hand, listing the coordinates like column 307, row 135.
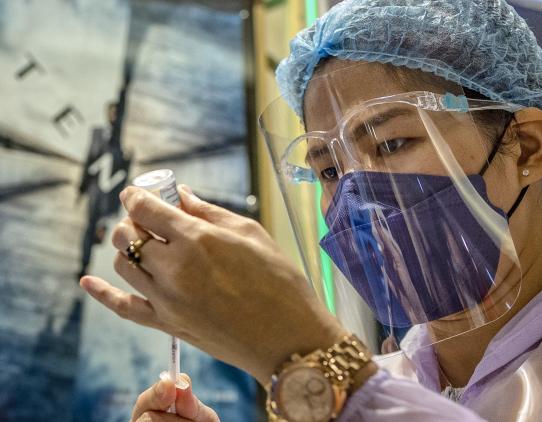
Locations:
column 219, row 282
column 152, row 404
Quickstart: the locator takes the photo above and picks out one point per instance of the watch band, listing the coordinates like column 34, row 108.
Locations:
column 339, row 363
column 343, row 360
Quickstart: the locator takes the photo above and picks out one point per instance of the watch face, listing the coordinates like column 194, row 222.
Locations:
column 304, row 394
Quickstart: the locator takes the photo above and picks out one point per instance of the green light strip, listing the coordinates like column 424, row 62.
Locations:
column 311, row 7
column 325, row 260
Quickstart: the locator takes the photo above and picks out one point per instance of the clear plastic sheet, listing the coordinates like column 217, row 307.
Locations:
column 396, row 192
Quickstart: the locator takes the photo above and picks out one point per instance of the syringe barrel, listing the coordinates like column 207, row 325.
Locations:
column 163, row 184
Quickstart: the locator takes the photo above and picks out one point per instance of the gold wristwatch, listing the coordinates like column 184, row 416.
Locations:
column 314, row 388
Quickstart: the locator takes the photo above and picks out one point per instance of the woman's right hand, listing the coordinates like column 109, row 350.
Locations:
column 220, row 282
column 152, row 404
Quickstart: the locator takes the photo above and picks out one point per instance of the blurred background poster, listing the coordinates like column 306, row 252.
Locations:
column 93, row 93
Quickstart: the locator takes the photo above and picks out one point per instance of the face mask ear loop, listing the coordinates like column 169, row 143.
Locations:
column 491, row 157
column 488, row 163
column 517, row 203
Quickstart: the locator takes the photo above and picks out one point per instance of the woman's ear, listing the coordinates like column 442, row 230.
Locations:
column 528, row 131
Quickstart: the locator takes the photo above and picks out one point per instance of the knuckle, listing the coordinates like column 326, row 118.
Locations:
column 140, row 203
column 205, row 236
column 122, row 311
column 121, row 307
column 101, row 295
column 251, row 226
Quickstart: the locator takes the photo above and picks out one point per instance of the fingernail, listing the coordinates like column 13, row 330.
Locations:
column 122, row 195
column 182, row 383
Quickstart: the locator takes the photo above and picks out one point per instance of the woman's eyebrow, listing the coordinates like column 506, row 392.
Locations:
column 378, row 120
column 313, row 154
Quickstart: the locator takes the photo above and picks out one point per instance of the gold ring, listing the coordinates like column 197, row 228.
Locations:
column 134, row 255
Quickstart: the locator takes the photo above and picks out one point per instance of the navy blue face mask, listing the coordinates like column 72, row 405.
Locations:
column 415, row 261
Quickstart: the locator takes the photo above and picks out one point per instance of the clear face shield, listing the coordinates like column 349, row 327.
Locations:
column 398, row 194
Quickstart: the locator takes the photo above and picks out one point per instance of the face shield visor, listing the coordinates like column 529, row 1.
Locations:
column 398, row 194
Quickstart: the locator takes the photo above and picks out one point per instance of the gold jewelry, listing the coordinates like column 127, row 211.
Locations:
column 339, row 364
column 134, row 255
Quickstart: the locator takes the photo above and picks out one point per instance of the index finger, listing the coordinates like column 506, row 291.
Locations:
column 159, row 397
column 152, row 213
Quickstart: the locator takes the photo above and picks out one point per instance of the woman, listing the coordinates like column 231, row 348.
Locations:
column 421, row 128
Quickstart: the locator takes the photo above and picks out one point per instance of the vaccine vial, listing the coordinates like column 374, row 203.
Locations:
column 161, row 183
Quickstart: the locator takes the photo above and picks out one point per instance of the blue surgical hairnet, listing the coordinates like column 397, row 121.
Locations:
column 483, row 45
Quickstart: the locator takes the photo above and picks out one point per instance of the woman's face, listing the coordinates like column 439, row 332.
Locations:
column 397, row 138
column 393, row 138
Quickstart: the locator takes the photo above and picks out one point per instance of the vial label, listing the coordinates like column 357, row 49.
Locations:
column 170, row 195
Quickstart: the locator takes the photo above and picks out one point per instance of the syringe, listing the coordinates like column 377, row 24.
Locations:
column 162, row 183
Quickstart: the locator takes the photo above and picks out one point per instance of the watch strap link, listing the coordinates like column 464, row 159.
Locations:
column 343, row 360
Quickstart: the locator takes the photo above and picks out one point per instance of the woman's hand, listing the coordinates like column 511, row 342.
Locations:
column 219, row 282
column 152, row 404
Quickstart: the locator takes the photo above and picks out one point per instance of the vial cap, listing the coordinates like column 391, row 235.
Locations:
column 155, row 179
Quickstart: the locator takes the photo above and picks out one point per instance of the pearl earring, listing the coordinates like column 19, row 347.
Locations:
column 526, row 172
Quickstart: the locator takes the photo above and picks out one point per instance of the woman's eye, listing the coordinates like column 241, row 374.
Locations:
column 329, row 174
column 391, row 146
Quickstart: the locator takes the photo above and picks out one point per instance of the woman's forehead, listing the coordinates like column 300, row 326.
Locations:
column 368, row 78
column 339, row 85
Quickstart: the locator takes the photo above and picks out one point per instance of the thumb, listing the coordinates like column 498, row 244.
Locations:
column 157, row 398
column 188, row 405
column 195, row 206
